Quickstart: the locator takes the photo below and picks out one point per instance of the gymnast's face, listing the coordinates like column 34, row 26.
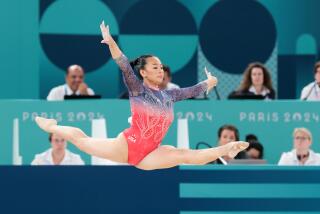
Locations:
column 58, row 143
column 74, row 77
column 153, row 71
column 257, row 76
column 227, row 136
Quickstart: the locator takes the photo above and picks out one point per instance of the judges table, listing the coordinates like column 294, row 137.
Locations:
column 185, row 189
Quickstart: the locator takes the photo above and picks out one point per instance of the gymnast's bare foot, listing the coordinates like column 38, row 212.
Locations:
column 45, row 124
column 234, row 148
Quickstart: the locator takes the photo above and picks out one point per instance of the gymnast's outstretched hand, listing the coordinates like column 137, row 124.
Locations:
column 105, row 33
column 212, row 81
column 108, row 40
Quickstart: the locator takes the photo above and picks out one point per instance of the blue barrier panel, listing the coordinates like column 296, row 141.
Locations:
column 125, row 189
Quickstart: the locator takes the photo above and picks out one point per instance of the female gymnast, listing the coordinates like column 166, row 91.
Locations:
column 152, row 114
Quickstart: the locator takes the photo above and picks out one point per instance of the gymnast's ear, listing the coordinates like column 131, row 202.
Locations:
column 143, row 73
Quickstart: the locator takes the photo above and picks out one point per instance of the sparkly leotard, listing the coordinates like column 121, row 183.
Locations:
column 152, row 112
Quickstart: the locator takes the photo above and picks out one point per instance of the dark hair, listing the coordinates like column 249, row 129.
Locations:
column 50, row 137
column 247, row 81
column 231, row 128
column 258, row 146
column 316, row 66
column 167, row 69
column 139, row 63
column 77, row 67
column 251, row 138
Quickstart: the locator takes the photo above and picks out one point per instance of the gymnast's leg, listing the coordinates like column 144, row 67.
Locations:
column 169, row 156
column 115, row 149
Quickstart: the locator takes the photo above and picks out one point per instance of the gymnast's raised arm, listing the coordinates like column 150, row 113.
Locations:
column 131, row 80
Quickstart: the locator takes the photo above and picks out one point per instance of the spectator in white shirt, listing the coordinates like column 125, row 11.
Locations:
column 312, row 90
column 167, row 84
column 57, row 154
column 301, row 154
column 75, row 85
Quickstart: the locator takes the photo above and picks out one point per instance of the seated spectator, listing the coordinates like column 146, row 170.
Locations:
column 301, row 153
column 255, row 150
column 256, row 84
column 312, row 90
column 57, row 154
column 75, row 85
column 226, row 134
column 251, row 138
column 167, row 84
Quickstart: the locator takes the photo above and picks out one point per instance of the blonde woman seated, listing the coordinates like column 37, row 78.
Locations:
column 301, row 154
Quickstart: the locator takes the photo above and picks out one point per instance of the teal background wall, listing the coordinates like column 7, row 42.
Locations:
column 272, row 122
column 39, row 38
column 19, row 49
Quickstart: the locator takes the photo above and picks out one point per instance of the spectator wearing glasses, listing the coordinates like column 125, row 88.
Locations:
column 301, row 153
column 74, row 85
